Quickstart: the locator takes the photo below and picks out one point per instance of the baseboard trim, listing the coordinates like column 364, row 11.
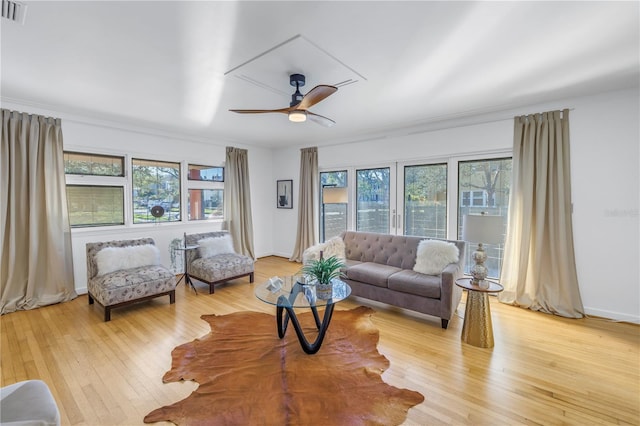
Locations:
column 613, row 316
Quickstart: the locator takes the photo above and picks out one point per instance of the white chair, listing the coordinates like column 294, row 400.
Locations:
column 28, row 403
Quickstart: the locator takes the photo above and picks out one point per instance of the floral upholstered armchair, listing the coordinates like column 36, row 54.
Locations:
column 123, row 272
column 215, row 261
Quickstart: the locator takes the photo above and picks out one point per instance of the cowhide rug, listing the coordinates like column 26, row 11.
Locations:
column 247, row 375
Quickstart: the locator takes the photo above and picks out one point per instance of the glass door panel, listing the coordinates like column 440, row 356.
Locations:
column 425, row 200
column 483, row 188
column 333, row 210
column 375, row 190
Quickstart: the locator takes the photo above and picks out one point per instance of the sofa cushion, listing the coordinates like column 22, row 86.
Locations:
column 221, row 267
column 112, row 259
column 434, row 255
column 408, row 281
column 130, row 284
column 372, row 273
column 350, row 263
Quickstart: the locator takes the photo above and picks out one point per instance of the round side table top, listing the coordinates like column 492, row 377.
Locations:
column 485, row 286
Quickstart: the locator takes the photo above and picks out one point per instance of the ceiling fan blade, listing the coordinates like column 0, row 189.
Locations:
column 320, row 119
column 315, row 95
column 259, row 111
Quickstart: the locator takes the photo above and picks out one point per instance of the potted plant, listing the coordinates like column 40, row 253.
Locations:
column 323, row 271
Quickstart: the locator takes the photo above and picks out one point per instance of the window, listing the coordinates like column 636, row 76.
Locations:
column 205, row 192
column 205, row 204
column 425, row 200
column 484, row 187
column 95, row 189
column 155, row 184
column 206, row 173
column 333, row 214
column 78, row 163
column 93, row 205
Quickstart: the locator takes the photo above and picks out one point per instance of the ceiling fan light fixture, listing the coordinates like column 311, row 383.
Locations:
column 298, row 116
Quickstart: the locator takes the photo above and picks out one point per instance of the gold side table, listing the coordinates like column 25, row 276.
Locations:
column 477, row 329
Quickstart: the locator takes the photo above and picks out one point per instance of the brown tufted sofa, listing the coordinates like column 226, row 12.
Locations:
column 380, row 267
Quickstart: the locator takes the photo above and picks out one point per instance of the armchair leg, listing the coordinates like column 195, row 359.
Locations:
column 90, row 298
column 251, row 277
column 172, row 297
column 107, row 314
column 445, row 323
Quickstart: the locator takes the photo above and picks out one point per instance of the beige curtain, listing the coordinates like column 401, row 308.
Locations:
column 539, row 270
column 36, row 266
column 307, row 229
column 237, row 200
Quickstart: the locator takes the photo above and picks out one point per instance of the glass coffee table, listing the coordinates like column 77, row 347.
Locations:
column 292, row 294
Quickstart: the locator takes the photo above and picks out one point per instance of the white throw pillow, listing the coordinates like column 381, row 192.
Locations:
column 213, row 246
column 111, row 259
column 332, row 247
column 434, row 255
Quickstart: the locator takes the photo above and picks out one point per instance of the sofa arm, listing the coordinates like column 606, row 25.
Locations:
column 450, row 293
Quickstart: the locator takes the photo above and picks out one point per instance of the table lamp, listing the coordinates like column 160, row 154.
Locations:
column 481, row 229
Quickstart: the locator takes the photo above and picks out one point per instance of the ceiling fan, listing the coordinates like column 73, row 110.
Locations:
column 298, row 109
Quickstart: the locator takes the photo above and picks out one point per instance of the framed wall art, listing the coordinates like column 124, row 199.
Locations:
column 284, row 191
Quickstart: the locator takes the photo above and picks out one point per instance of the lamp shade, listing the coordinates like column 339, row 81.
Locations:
column 334, row 195
column 482, row 229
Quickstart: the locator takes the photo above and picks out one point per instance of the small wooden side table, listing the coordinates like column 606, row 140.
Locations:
column 477, row 329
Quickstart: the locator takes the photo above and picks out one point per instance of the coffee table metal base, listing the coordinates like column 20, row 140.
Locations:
column 290, row 315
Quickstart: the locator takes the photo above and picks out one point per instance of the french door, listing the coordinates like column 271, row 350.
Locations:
column 397, row 198
column 421, row 198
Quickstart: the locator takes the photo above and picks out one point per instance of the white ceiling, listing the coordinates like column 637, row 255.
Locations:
column 179, row 66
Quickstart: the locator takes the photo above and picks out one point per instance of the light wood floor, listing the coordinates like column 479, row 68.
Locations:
column 543, row 370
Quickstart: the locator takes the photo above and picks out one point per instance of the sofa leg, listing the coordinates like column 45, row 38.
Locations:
column 211, row 289
column 251, row 277
column 107, row 314
column 445, row 323
column 172, row 297
column 90, row 298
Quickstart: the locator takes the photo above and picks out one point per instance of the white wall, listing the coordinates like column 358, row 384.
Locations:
column 605, row 157
column 286, row 165
column 605, row 135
